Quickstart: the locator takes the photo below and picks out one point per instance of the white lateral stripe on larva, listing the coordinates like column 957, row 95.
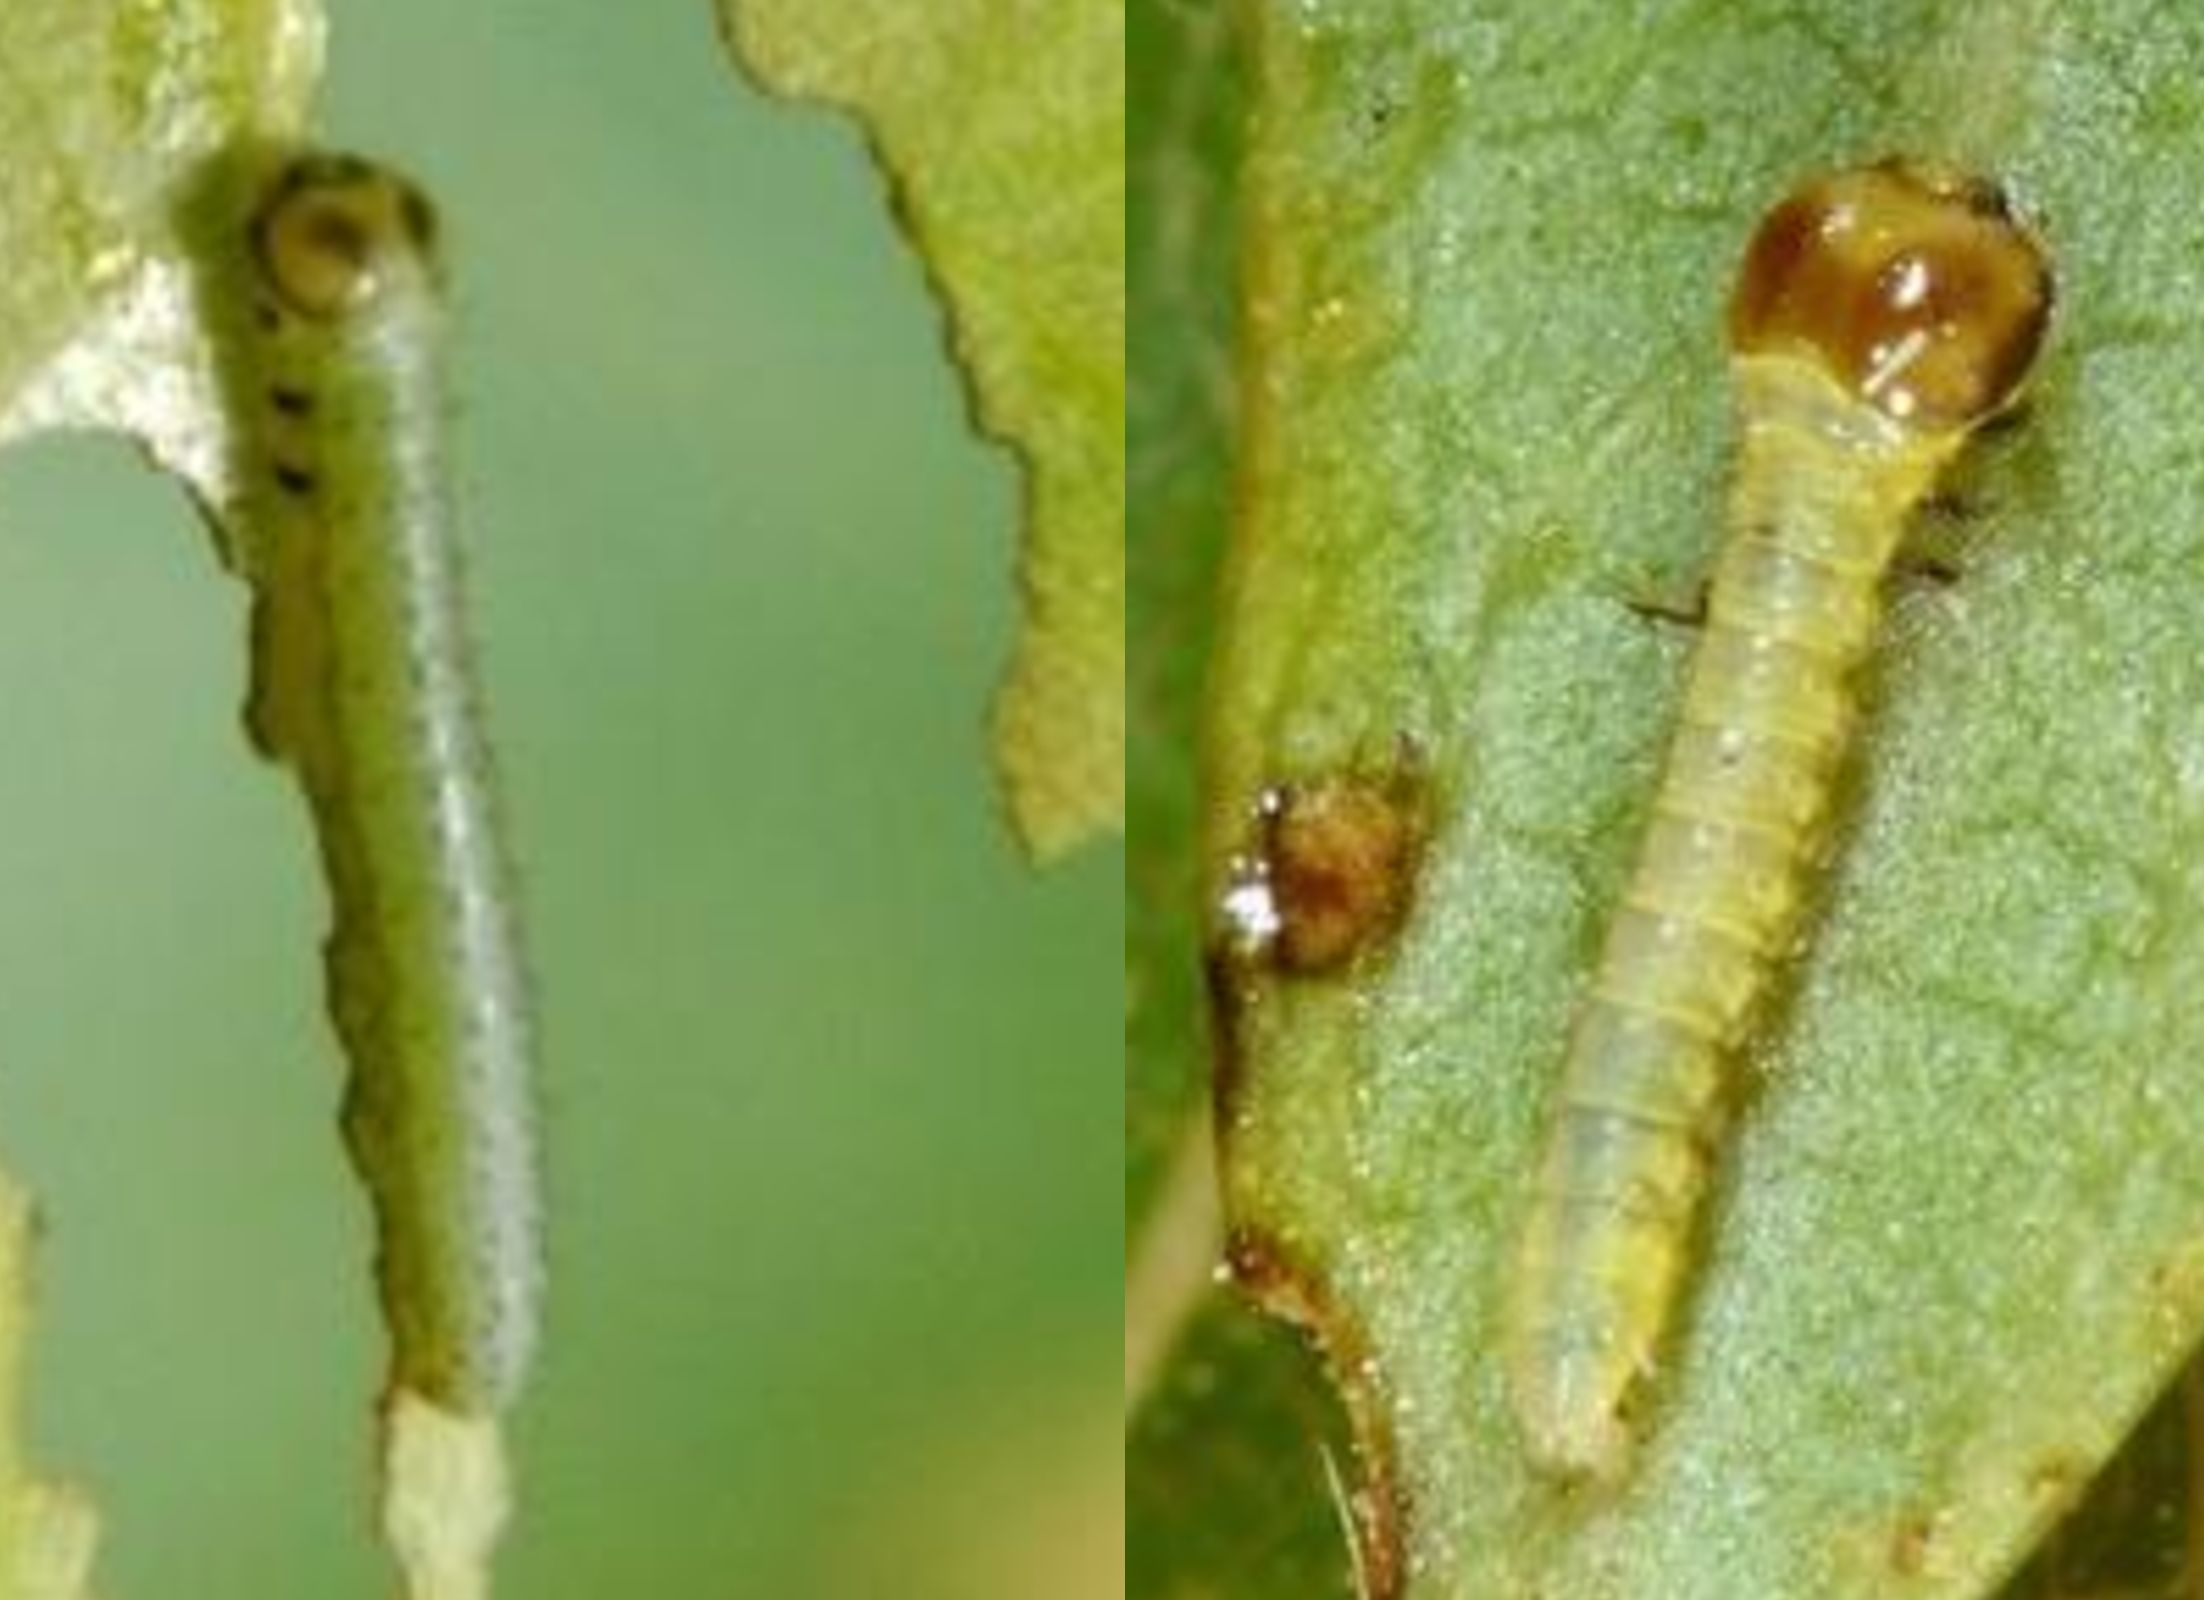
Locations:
column 362, row 683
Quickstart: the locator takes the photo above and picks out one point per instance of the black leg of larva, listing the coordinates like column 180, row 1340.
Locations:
column 1928, row 569
column 2010, row 420
column 1692, row 615
column 1949, row 505
column 1935, row 548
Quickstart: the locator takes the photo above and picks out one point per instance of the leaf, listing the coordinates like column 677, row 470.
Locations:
column 1002, row 126
column 1228, row 1471
column 111, row 114
column 2136, row 1536
column 1230, row 1424
column 1178, row 427
column 1960, row 1243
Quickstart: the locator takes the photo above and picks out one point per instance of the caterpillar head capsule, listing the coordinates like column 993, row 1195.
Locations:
column 335, row 230
column 1913, row 285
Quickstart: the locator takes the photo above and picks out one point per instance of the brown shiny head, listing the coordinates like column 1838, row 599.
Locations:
column 1912, row 284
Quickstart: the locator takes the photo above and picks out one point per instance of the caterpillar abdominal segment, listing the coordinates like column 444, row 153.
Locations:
column 362, row 685
column 1881, row 315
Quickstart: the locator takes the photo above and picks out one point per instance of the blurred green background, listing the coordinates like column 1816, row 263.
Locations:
column 832, row 1081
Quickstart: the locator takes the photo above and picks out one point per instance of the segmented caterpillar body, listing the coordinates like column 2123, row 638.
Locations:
column 362, row 684
column 1880, row 315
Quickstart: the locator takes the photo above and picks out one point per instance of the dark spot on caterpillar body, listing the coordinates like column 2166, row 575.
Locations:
column 291, row 402
column 294, row 480
column 1333, row 870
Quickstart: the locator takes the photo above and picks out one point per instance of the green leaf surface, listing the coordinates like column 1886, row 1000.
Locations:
column 1959, row 1243
column 1230, row 1423
column 110, row 111
column 1002, row 126
column 111, row 114
column 1236, row 1470
column 1184, row 110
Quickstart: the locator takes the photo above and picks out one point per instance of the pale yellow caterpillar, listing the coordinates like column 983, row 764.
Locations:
column 362, row 684
column 1881, row 314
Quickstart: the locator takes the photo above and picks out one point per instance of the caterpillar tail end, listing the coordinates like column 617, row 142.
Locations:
column 1575, row 1417
column 446, row 1497
column 57, row 1534
column 1581, row 1338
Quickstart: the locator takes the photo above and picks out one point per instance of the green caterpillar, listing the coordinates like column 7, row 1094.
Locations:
column 362, row 685
column 1880, row 316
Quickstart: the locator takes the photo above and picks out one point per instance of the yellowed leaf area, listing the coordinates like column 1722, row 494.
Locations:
column 1002, row 125
column 109, row 111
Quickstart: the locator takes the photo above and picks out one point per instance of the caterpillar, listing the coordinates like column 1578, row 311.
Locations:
column 1880, row 315
column 361, row 683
